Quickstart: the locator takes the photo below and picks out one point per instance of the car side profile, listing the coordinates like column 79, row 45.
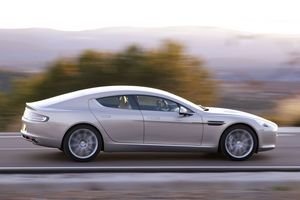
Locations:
column 142, row 119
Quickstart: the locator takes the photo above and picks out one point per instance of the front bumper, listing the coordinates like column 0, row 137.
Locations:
column 268, row 139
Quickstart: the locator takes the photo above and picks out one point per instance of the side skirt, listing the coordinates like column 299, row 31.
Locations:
column 127, row 147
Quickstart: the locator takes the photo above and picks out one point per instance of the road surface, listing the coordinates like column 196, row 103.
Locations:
column 20, row 154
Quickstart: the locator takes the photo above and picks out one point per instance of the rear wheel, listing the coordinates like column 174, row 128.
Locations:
column 82, row 143
column 238, row 143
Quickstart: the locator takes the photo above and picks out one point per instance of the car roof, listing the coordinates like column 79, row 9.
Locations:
column 122, row 89
column 119, row 88
column 106, row 91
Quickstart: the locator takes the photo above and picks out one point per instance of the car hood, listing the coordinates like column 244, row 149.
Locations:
column 224, row 111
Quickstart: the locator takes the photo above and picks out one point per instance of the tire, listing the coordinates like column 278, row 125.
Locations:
column 238, row 143
column 82, row 143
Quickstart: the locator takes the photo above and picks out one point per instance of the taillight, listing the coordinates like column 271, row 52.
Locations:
column 33, row 116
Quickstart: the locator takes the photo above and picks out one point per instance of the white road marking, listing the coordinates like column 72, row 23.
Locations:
column 19, row 149
column 289, row 129
column 11, row 136
column 10, row 133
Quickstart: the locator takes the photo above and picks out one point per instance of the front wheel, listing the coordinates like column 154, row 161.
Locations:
column 238, row 143
column 82, row 143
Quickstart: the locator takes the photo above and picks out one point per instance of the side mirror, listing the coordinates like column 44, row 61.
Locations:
column 183, row 111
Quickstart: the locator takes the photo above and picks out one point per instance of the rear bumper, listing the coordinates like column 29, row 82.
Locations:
column 33, row 132
column 39, row 140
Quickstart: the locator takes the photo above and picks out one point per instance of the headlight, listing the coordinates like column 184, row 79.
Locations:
column 32, row 116
column 265, row 123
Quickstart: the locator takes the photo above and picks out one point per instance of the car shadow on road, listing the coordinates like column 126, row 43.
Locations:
column 159, row 156
column 150, row 158
column 53, row 156
column 176, row 157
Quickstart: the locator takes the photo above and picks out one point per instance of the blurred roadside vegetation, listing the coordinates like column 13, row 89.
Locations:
column 278, row 101
column 167, row 67
column 288, row 111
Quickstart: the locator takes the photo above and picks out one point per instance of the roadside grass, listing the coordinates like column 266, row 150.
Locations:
column 281, row 188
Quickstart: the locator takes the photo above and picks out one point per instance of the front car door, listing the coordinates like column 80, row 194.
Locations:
column 164, row 125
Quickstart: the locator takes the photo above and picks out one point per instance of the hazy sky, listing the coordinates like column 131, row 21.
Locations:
column 256, row 16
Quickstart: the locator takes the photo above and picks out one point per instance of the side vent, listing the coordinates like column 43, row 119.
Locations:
column 215, row 123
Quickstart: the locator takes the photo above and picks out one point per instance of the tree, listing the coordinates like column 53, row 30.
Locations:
column 167, row 67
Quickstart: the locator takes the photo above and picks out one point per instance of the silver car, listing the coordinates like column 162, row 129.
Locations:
column 141, row 119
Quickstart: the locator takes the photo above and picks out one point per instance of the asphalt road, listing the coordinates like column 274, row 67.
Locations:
column 20, row 154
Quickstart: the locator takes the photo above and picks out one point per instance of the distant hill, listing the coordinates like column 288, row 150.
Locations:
column 7, row 77
column 232, row 55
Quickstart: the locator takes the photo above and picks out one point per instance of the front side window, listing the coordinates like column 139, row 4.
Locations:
column 156, row 104
column 122, row 102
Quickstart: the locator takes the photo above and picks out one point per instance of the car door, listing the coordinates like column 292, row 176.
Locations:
column 120, row 118
column 164, row 125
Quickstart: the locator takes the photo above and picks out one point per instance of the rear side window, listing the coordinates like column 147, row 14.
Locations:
column 122, row 102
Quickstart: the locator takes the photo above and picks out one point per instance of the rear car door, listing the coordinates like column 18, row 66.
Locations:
column 120, row 118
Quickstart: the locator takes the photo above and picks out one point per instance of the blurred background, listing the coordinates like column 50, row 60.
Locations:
column 239, row 55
